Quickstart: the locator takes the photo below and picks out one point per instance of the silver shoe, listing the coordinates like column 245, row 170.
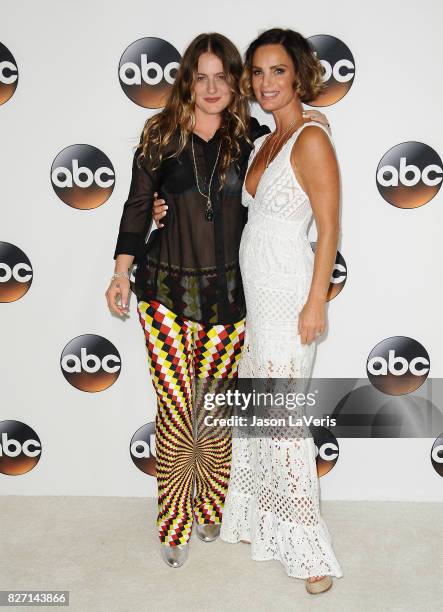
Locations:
column 208, row 533
column 174, row 556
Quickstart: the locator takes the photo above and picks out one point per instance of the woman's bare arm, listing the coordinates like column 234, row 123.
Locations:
column 316, row 169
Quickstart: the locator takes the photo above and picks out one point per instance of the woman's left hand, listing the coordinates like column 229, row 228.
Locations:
column 318, row 116
column 311, row 321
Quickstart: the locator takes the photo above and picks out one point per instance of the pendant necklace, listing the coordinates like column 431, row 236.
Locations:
column 209, row 212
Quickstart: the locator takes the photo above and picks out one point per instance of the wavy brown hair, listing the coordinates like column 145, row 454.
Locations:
column 159, row 130
column 308, row 69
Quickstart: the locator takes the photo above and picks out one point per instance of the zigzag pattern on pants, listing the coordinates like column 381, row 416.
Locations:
column 180, row 351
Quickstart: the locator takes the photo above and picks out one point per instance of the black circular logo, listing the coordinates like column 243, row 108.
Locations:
column 437, row 455
column 142, row 449
column 398, row 365
column 147, row 70
column 20, row 448
column 8, row 74
column 15, row 273
column 327, row 450
column 82, row 176
column 90, row 363
column 338, row 63
column 338, row 277
column 409, row 175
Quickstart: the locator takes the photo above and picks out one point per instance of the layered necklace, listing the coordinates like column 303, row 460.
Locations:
column 209, row 212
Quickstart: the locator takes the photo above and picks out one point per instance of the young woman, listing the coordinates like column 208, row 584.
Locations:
column 273, row 496
column 190, row 298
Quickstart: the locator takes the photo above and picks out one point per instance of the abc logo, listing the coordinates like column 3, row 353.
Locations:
column 437, row 455
column 20, row 448
column 142, row 449
column 398, row 365
column 327, row 450
column 338, row 63
column 15, row 273
column 339, row 275
column 409, row 175
column 90, row 363
column 147, row 70
column 8, row 74
column 82, row 176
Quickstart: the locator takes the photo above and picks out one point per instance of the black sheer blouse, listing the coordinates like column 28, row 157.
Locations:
column 190, row 265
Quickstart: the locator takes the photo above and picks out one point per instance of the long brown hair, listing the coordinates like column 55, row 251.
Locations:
column 308, row 69
column 159, row 130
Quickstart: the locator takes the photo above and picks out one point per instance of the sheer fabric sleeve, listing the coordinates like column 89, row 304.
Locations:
column 256, row 129
column 137, row 210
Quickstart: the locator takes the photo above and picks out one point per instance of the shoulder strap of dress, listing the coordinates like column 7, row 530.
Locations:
column 260, row 140
column 257, row 145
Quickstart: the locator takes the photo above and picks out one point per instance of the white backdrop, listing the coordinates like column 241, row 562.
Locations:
column 68, row 92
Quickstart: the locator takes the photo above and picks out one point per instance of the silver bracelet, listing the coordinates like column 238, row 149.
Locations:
column 118, row 274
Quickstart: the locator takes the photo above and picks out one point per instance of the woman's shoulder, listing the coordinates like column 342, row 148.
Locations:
column 312, row 144
column 306, row 137
column 156, row 149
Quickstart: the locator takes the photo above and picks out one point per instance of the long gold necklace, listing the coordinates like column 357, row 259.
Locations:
column 274, row 146
column 209, row 212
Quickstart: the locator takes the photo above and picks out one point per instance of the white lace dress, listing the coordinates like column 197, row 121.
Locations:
column 273, row 496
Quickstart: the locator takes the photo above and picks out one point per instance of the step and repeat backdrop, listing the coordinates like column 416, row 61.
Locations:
column 77, row 83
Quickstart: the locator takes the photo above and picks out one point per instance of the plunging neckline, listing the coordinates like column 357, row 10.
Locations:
column 266, row 168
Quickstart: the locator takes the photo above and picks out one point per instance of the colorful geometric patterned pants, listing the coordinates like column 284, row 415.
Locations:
column 192, row 470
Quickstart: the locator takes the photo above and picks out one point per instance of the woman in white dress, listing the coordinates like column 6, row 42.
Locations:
column 273, row 496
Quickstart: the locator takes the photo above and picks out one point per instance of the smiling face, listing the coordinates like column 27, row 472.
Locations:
column 212, row 91
column 273, row 77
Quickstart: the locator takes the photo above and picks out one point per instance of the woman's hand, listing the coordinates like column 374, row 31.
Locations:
column 118, row 290
column 159, row 210
column 311, row 321
column 318, row 116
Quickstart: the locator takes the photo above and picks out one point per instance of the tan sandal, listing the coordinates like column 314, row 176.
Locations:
column 319, row 586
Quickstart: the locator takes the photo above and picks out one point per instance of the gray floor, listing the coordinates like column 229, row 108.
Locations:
column 104, row 551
